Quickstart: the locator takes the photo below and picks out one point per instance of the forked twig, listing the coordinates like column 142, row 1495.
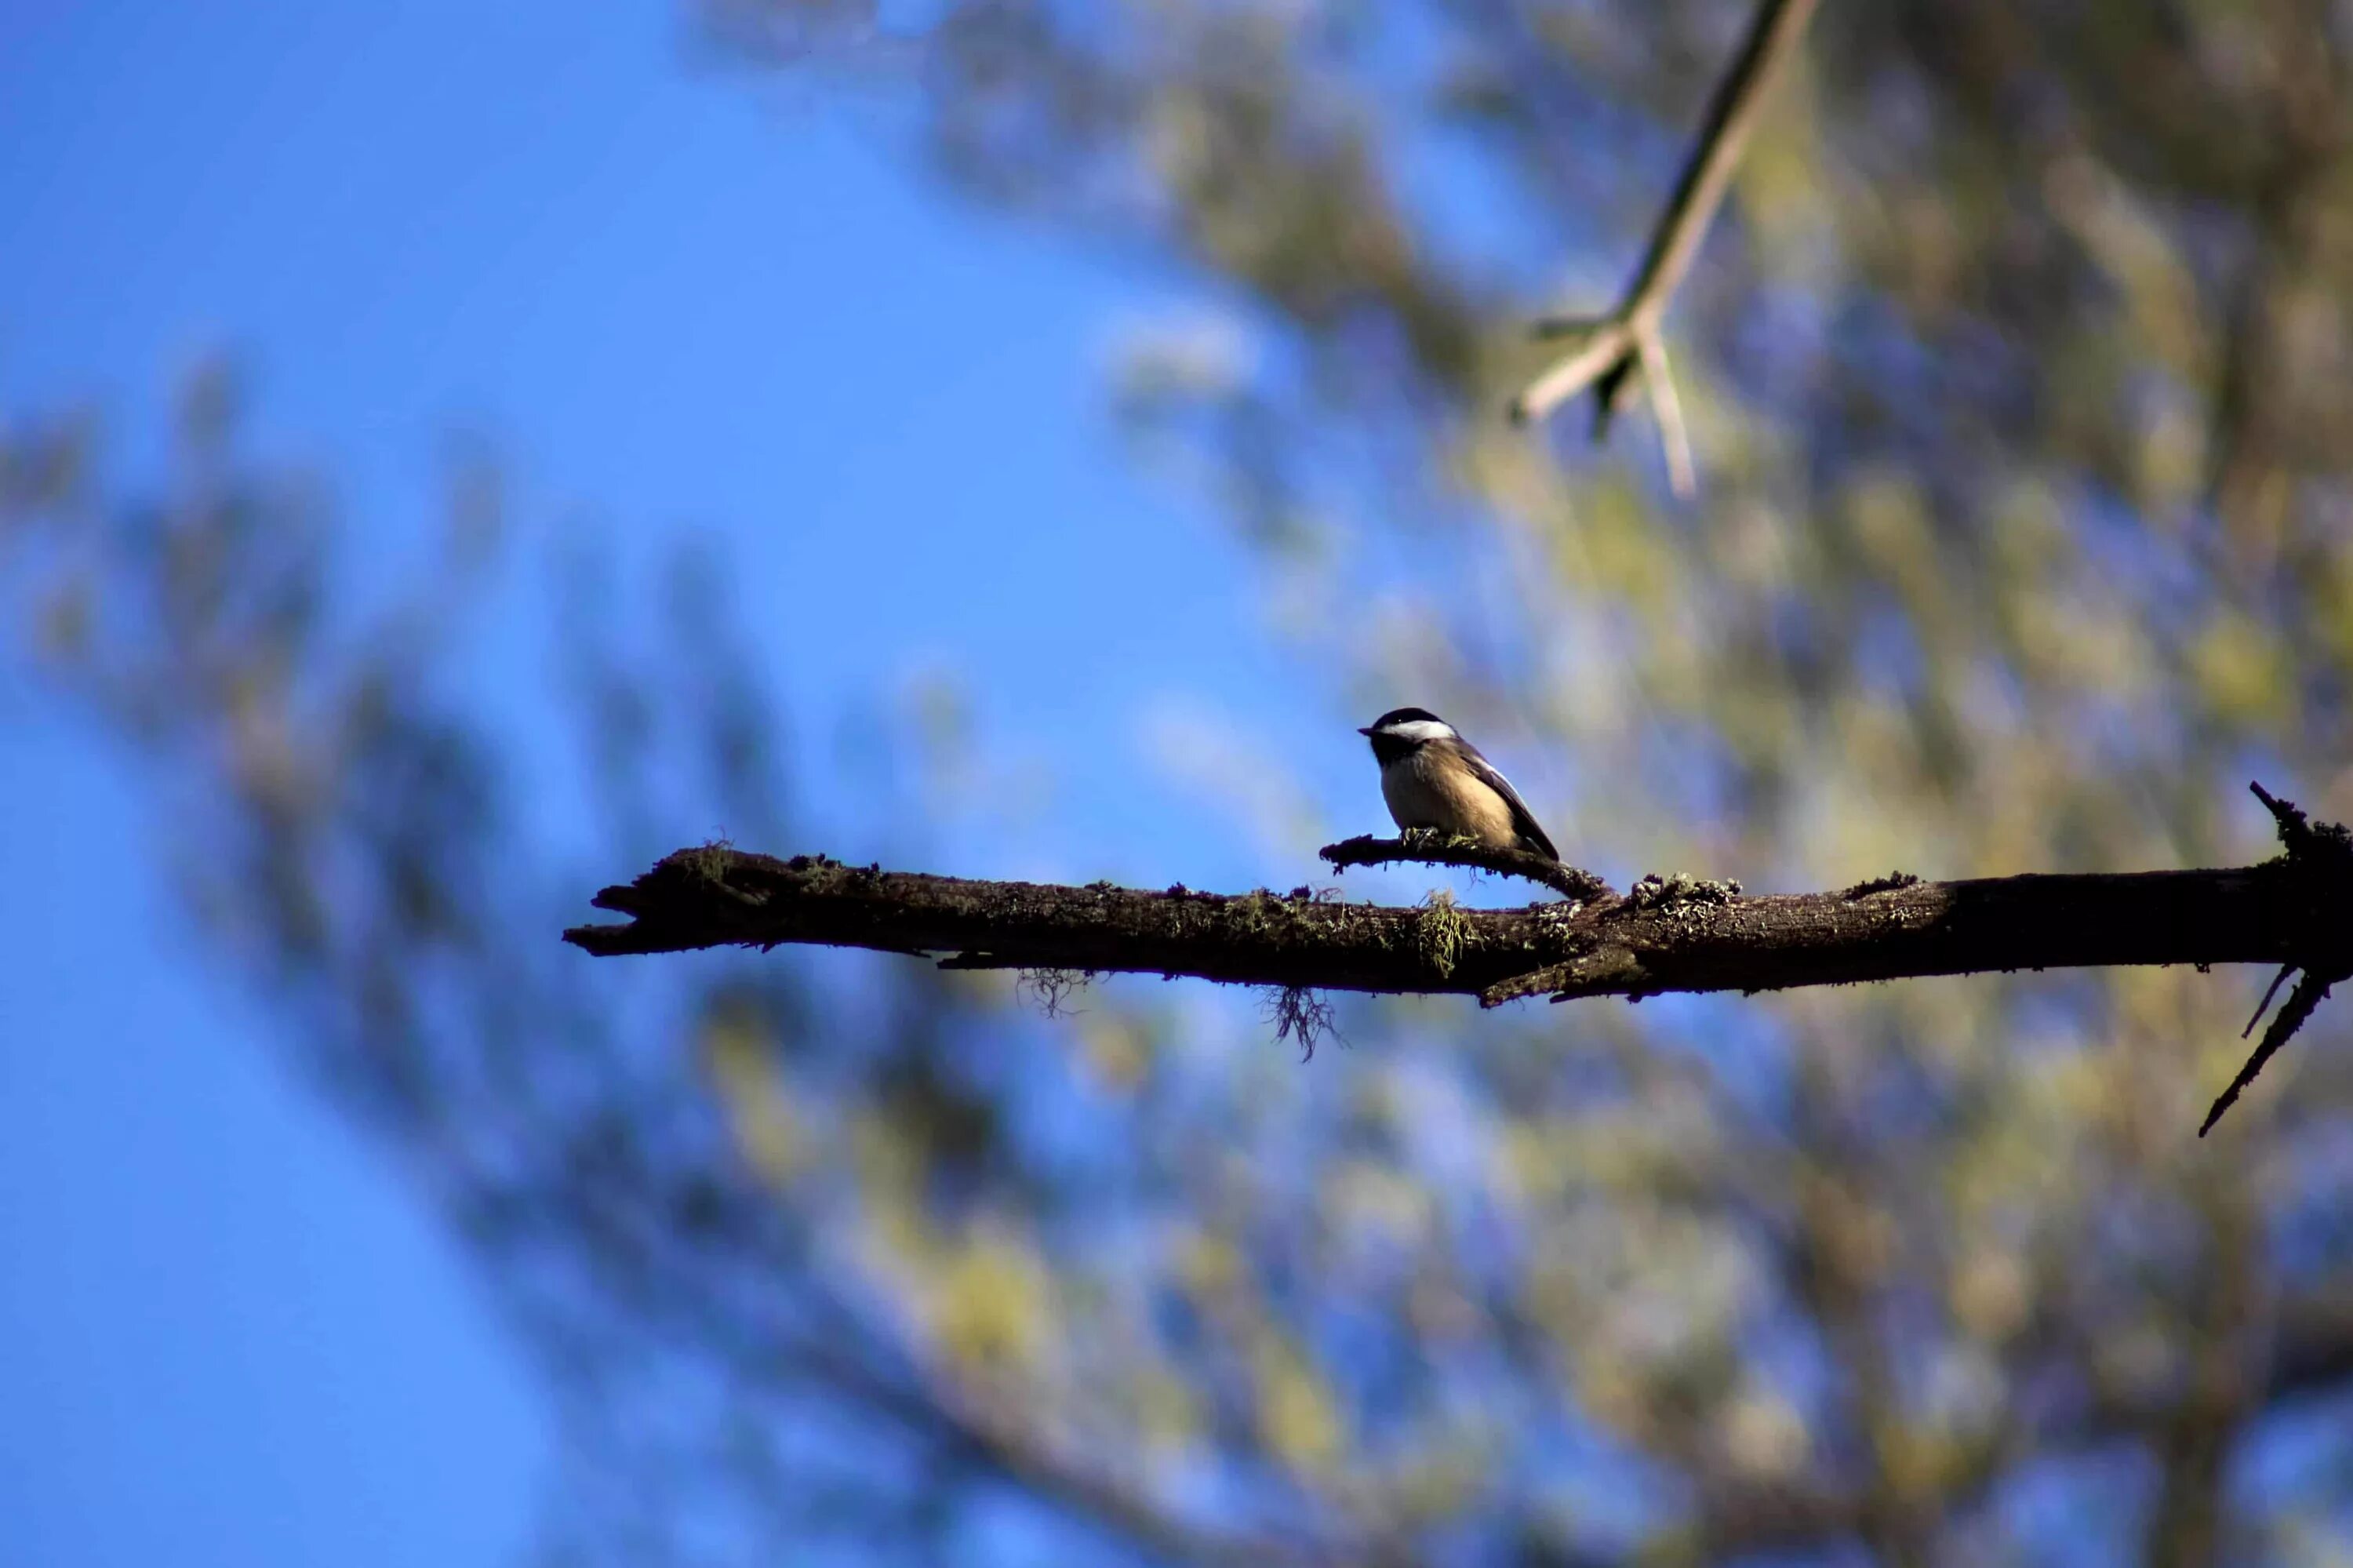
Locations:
column 2320, row 860
column 2308, row 994
column 1611, row 347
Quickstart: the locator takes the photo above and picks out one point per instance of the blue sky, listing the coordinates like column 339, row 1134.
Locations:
column 676, row 300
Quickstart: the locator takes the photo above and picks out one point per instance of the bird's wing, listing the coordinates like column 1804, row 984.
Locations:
column 1524, row 821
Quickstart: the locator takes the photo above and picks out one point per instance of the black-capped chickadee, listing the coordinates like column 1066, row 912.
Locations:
column 1432, row 777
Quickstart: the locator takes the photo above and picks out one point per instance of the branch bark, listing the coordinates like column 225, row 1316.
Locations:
column 1611, row 350
column 1677, row 934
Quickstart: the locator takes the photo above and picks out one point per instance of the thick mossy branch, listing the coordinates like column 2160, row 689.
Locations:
column 1676, row 934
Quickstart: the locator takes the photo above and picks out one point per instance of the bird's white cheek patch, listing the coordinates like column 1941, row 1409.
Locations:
column 1420, row 730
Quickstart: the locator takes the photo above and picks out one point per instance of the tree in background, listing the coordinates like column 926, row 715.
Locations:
column 2014, row 370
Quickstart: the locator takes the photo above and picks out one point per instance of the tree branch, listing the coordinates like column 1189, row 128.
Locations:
column 1424, row 848
column 2324, row 856
column 1666, row 934
column 1609, row 350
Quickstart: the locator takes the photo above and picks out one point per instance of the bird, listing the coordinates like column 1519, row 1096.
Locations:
column 1432, row 777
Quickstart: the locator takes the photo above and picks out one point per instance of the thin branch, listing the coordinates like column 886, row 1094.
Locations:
column 2309, row 993
column 1604, row 344
column 2265, row 1006
column 1611, row 347
column 1732, row 112
column 1426, row 849
column 1658, row 379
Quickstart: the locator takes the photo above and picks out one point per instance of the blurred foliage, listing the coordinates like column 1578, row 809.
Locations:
column 2018, row 369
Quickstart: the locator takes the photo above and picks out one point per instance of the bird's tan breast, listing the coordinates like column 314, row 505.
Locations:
column 1423, row 791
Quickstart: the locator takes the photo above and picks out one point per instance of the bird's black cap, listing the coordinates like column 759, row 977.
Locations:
column 1401, row 715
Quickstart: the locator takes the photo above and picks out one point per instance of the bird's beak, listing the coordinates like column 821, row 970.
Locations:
column 1364, row 729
